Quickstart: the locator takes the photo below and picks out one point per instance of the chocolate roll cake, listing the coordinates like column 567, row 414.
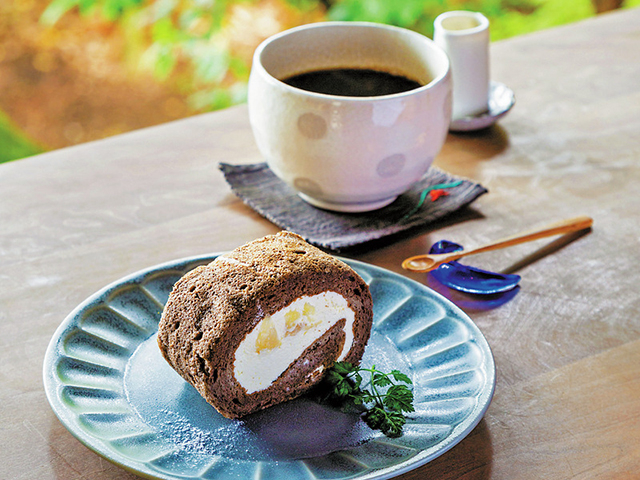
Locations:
column 262, row 324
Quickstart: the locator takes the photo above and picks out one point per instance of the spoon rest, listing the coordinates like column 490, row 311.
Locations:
column 469, row 279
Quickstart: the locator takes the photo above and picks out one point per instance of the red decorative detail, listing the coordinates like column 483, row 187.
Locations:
column 436, row 194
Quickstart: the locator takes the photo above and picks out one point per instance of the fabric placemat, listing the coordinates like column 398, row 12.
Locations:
column 259, row 188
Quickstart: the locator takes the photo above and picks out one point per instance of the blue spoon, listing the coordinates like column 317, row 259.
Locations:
column 470, row 279
column 448, row 253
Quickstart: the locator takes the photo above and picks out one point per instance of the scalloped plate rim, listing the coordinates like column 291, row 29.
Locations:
column 100, row 447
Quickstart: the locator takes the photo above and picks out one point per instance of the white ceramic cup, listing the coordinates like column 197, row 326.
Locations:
column 342, row 153
column 465, row 37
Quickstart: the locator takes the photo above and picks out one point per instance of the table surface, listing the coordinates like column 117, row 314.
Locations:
column 566, row 347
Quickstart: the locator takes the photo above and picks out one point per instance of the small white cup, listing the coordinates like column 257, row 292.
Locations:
column 344, row 153
column 465, row 38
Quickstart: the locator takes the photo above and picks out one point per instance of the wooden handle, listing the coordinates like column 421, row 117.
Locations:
column 425, row 263
column 564, row 226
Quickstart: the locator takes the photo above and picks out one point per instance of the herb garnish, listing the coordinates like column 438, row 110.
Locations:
column 382, row 407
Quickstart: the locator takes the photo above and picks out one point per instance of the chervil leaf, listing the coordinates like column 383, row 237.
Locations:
column 357, row 378
column 367, row 397
column 375, row 418
column 392, row 427
column 382, row 406
column 400, row 398
column 343, row 368
column 343, row 389
column 401, row 377
column 381, row 380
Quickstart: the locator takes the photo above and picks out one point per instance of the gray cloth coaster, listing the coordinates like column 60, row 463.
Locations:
column 259, row 188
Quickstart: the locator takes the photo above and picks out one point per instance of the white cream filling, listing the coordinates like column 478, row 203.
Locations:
column 277, row 340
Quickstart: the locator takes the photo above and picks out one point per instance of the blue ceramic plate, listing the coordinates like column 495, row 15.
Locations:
column 108, row 384
column 501, row 100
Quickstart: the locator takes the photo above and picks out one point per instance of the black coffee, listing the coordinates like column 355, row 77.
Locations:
column 352, row 82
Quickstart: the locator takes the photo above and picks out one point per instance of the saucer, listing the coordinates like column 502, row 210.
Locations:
column 501, row 100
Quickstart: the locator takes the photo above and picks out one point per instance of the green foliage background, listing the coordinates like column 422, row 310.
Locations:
column 182, row 41
column 13, row 143
column 179, row 39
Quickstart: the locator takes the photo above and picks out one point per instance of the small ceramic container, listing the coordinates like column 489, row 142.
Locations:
column 465, row 37
column 346, row 153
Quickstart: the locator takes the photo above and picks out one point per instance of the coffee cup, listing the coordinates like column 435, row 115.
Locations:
column 343, row 149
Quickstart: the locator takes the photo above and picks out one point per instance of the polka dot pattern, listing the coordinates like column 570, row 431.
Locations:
column 306, row 185
column 391, row 165
column 312, row 126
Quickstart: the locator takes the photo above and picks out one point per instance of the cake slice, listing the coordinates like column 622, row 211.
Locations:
column 262, row 324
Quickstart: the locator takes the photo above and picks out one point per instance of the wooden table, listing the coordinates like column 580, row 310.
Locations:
column 567, row 346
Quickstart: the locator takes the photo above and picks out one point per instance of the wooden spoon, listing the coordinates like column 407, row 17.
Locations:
column 427, row 262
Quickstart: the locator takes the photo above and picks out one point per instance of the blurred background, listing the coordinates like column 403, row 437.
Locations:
column 73, row 71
